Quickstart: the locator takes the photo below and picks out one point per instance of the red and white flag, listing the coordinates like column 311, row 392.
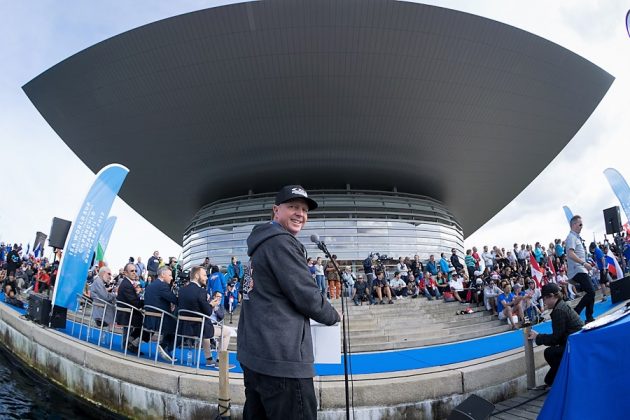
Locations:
column 537, row 273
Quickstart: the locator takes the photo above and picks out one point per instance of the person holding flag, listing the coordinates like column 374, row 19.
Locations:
column 537, row 272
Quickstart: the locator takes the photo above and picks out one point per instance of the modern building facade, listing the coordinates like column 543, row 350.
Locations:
column 353, row 223
column 454, row 112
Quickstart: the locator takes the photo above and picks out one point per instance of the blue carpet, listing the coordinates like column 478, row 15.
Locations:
column 377, row 362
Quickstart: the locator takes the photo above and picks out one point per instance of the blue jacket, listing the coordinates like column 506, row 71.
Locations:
column 232, row 271
column 159, row 294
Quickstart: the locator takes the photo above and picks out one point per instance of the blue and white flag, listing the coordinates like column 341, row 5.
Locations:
column 568, row 213
column 620, row 188
column 84, row 234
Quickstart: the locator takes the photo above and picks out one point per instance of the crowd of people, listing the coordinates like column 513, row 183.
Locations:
column 501, row 281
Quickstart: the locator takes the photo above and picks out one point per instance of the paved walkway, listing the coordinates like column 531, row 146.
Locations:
column 524, row 406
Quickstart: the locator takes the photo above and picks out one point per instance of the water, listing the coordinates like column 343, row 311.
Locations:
column 26, row 395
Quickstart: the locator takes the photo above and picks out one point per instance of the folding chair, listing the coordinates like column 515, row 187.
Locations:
column 157, row 313
column 122, row 307
column 100, row 303
column 81, row 309
column 190, row 317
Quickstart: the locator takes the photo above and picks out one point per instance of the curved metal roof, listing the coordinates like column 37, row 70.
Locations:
column 375, row 94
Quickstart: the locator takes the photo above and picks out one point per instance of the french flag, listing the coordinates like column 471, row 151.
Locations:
column 613, row 266
column 537, row 273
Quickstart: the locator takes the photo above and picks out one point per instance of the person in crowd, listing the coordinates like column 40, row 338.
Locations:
column 320, row 276
column 101, row 289
column 159, row 294
column 412, row 286
column 277, row 307
column 432, row 286
column 432, row 267
column 403, row 269
column 456, row 284
column 222, row 332
column 564, row 322
column 490, row 294
column 217, row 281
column 142, row 270
column 334, row 283
column 508, row 306
column 128, row 292
column 423, row 288
column 230, row 301
column 488, row 257
column 9, row 297
column 152, row 265
column 599, row 257
column 349, row 278
column 235, row 269
column 194, row 297
column 532, row 303
column 13, row 260
column 455, row 260
column 444, row 268
column 578, row 268
column 398, row 286
column 362, row 291
column 381, row 288
column 417, row 268
column 471, row 264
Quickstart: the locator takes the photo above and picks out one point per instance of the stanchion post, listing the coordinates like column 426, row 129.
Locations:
column 224, row 385
column 530, row 369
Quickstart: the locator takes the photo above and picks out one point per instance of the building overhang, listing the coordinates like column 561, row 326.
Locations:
column 375, row 94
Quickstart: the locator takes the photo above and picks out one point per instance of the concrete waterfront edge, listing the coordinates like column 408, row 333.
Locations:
column 137, row 388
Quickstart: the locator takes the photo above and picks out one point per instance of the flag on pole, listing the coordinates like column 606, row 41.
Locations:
column 620, row 188
column 84, row 234
column 612, row 265
column 567, row 213
column 552, row 267
column 537, row 273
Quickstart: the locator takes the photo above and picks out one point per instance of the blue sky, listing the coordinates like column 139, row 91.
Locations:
column 43, row 178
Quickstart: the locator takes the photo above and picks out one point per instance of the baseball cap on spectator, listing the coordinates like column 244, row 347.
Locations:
column 549, row 289
column 290, row 192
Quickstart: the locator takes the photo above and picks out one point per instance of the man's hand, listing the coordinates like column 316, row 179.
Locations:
column 588, row 266
column 532, row 335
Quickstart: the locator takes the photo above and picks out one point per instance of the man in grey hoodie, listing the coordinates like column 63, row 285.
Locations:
column 274, row 345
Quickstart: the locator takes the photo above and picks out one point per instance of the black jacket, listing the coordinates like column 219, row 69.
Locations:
column 274, row 333
column 564, row 322
column 159, row 294
column 195, row 298
column 127, row 294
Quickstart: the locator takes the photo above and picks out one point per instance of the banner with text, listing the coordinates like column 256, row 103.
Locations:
column 84, row 234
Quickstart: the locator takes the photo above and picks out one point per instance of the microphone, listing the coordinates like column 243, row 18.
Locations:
column 316, row 241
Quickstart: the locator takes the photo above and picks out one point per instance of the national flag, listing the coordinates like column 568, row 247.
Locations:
column 552, row 267
column 537, row 273
column 613, row 266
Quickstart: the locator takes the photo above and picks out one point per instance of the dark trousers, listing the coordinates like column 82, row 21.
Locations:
column 588, row 300
column 553, row 356
column 271, row 397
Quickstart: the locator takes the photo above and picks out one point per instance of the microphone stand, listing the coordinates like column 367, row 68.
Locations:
column 344, row 330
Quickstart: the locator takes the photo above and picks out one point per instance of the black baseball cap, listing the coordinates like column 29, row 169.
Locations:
column 290, row 192
column 549, row 289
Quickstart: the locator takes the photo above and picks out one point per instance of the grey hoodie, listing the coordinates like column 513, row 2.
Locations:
column 274, row 333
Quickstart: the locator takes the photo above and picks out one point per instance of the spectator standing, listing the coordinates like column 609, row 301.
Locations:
column 488, row 258
column 153, row 264
column 13, row 260
column 403, row 269
column 142, row 270
column 320, row 276
column 455, row 261
column 432, row 266
column 471, row 264
column 444, row 264
column 334, row 283
column 276, row 310
column 349, row 279
column 578, row 268
column 600, row 261
column 235, row 269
